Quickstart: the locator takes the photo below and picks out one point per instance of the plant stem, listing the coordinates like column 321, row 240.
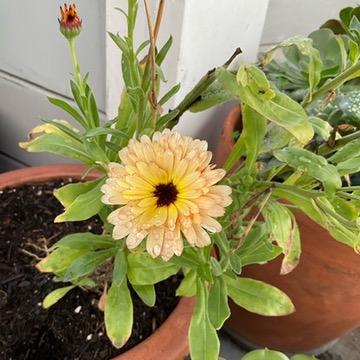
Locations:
column 331, row 85
column 326, row 149
column 199, row 88
column 76, row 66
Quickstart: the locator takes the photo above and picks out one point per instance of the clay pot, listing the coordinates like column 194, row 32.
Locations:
column 170, row 340
column 324, row 288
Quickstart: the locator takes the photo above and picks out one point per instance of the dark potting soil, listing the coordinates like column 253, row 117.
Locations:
column 74, row 327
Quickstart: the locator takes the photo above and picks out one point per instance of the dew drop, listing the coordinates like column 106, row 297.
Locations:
column 211, row 229
column 156, row 250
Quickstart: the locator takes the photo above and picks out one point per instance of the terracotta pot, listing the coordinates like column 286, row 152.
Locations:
column 324, row 288
column 170, row 340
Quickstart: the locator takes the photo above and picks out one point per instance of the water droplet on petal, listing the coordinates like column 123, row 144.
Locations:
column 156, row 250
column 211, row 229
column 177, row 252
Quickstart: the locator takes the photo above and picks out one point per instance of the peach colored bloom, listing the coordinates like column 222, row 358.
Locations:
column 165, row 187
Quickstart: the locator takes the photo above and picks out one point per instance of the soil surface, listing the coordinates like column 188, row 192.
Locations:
column 74, row 327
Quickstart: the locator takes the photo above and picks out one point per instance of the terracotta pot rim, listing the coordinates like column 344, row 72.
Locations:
column 170, row 340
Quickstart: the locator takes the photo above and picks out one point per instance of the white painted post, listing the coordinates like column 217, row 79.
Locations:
column 206, row 33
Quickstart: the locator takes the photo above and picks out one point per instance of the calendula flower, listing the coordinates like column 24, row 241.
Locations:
column 70, row 24
column 166, row 187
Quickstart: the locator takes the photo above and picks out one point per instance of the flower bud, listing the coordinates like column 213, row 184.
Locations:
column 70, row 24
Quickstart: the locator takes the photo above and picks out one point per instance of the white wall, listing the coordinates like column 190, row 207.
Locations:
column 286, row 18
column 35, row 62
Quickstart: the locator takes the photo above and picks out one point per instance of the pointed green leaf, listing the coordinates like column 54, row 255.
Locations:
column 69, row 109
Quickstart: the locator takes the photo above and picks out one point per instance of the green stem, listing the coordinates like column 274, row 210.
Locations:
column 331, row 85
column 199, row 88
column 328, row 211
column 76, row 66
column 326, row 149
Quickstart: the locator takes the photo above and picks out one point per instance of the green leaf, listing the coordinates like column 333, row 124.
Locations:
column 169, row 94
column 120, row 268
column 87, row 263
column 203, row 340
column 58, row 144
column 84, row 206
column 235, row 262
column 309, row 53
column 67, row 194
column 146, row 293
column 95, row 151
column 256, row 248
column 56, row 295
column 349, row 151
column 70, row 110
column 214, row 95
column 281, row 109
column 321, row 127
column 258, row 297
column 285, row 232
column 264, row 354
column 303, row 357
column 187, row 287
column 314, row 165
column 255, row 79
column 161, row 55
column 144, row 270
column 119, row 314
column 254, row 129
column 59, row 260
column 115, row 133
column 85, row 241
column 218, row 306
column 236, row 154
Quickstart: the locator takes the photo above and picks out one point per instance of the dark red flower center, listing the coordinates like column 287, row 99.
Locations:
column 166, row 194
